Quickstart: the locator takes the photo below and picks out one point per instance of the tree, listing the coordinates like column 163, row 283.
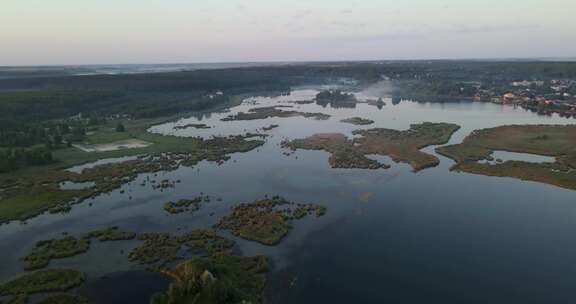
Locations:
column 120, row 127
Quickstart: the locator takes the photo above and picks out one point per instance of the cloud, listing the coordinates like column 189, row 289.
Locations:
column 348, row 24
column 467, row 29
column 422, row 32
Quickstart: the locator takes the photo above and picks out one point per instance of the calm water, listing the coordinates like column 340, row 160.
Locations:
column 390, row 236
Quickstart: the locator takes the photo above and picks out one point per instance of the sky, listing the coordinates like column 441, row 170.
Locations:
column 41, row 32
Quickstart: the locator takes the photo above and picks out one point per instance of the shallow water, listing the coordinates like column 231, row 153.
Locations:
column 502, row 156
column 68, row 185
column 79, row 168
column 390, row 235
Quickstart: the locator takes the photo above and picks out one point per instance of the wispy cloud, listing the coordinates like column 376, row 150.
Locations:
column 467, row 29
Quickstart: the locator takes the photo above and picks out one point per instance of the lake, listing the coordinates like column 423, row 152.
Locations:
column 389, row 236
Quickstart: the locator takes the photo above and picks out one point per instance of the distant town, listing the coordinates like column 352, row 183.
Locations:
column 545, row 97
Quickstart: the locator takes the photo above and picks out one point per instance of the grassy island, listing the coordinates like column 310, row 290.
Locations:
column 266, row 221
column 358, row 121
column 401, row 146
column 192, row 125
column 550, row 140
column 163, row 248
column 343, row 154
column 273, row 111
column 110, row 234
column 54, row 249
column 69, row 246
column 183, row 205
column 50, row 280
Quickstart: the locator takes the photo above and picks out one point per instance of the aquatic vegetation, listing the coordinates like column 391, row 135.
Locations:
column 50, row 280
column 64, row 298
column 156, row 247
column 205, row 242
column 68, row 246
column 30, row 195
column 25, row 199
column 359, row 121
column 54, row 249
column 273, row 111
column 548, row 140
column 266, row 221
column 365, row 197
column 110, row 234
column 320, row 211
column 401, row 146
column 183, row 205
column 221, row 278
column 163, row 248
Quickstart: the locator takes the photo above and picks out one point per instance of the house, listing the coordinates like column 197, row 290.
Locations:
column 508, row 97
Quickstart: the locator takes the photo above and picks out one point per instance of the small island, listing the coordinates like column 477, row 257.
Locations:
column 68, row 246
column 358, row 121
column 401, row 146
column 50, row 280
column 192, row 125
column 273, row 111
column 163, row 248
column 266, row 221
column 548, row 140
column 183, row 205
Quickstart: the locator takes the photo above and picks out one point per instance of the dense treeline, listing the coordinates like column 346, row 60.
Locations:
column 14, row 158
column 51, row 134
column 28, row 103
column 145, row 95
column 157, row 94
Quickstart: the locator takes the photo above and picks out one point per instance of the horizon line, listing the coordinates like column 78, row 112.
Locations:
column 487, row 59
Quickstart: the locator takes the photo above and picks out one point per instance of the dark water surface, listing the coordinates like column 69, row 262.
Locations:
column 390, row 236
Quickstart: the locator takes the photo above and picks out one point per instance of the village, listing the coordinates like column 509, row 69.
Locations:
column 545, row 97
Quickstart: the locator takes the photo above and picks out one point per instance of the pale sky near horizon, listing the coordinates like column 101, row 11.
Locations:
column 179, row 31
